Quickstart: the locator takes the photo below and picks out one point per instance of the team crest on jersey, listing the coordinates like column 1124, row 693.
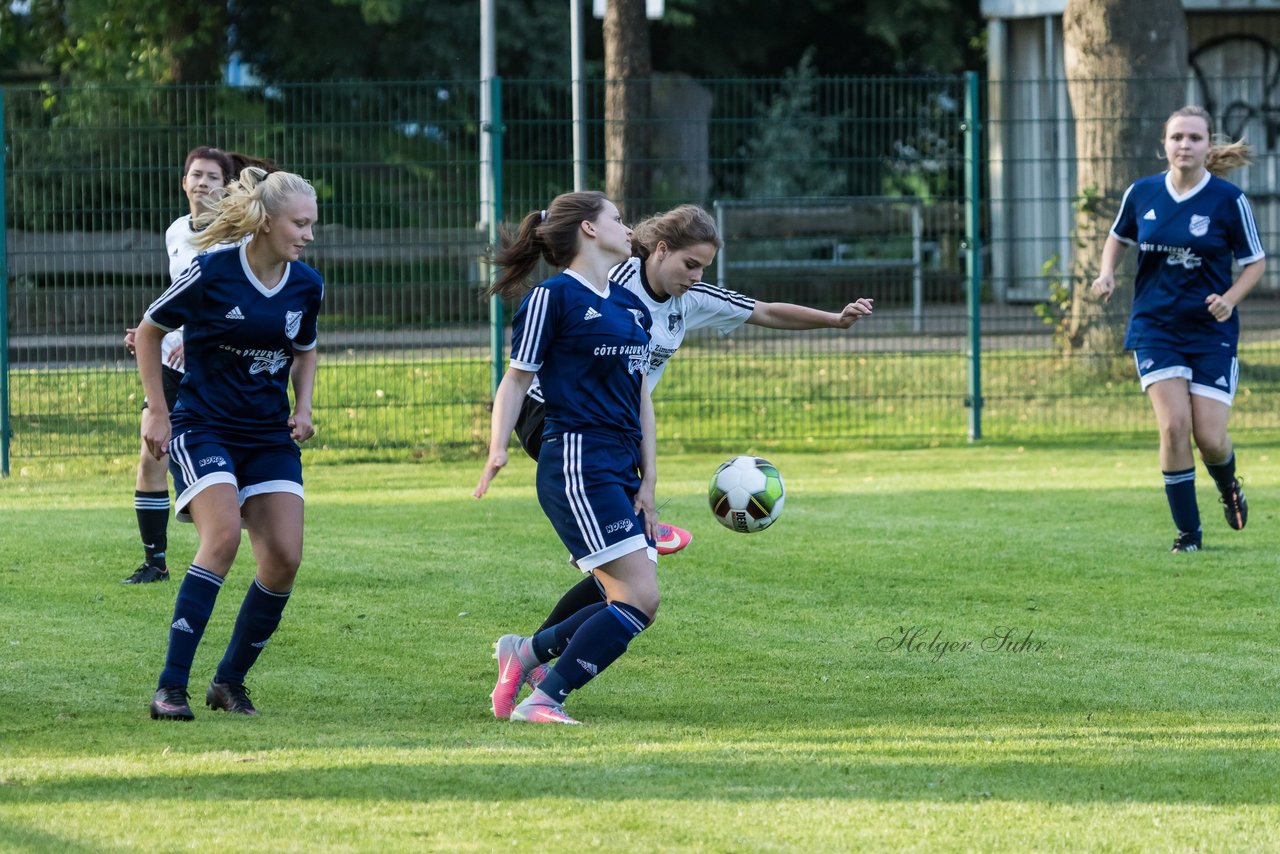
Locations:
column 673, row 323
column 292, row 323
column 638, row 315
column 1199, row 225
column 269, row 362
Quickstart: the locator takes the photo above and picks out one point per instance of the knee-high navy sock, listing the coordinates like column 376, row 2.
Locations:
column 1180, row 488
column 153, row 524
column 1223, row 473
column 550, row 643
column 594, row 646
column 191, row 612
column 259, row 616
column 585, row 592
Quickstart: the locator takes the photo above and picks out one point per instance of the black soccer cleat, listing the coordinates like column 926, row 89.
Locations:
column 1186, row 543
column 1234, row 507
column 233, row 699
column 146, row 574
column 170, row 704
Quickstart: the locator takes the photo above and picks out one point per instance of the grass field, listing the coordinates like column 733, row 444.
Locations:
column 771, row 707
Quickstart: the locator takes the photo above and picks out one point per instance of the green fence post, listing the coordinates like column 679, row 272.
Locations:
column 494, row 215
column 4, row 309
column 973, row 247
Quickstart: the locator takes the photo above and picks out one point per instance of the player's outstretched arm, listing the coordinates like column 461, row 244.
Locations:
column 506, row 409
column 785, row 315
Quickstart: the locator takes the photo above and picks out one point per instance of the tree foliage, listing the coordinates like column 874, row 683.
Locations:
column 110, row 41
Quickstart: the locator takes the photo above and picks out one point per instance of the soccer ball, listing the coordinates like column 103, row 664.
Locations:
column 746, row 494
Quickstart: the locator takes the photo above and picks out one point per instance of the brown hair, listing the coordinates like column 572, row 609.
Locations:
column 1224, row 154
column 681, row 227
column 207, row 152
column 552, row 234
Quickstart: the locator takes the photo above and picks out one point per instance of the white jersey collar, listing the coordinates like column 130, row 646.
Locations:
column 1168, row 185
column 604, row 293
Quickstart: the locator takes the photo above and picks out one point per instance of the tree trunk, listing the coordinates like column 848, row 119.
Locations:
column 196, row 39
column 1126, row 66
column 627, row 68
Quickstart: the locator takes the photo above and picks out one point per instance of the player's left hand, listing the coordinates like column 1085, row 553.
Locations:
column 300, row 427
column 177, row 357
column 858, row 308
column 131, row 340
column 646, row 506
column 1220, row 307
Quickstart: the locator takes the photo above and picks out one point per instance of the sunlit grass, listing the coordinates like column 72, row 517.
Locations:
column 770, row 707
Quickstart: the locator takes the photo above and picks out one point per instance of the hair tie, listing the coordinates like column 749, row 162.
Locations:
column 544, row 216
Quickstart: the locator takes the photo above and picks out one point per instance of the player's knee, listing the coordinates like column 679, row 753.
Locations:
column 647, row 600
column 1176, row 430
column 1215, row 446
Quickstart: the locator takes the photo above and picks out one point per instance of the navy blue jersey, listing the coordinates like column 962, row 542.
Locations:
column 1185, row 248
column 240, row 339
column 589, row 350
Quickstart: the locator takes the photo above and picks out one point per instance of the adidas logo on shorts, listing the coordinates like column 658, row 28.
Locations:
column 182, row 625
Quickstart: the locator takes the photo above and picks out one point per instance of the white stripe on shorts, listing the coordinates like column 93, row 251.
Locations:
column 575, row 490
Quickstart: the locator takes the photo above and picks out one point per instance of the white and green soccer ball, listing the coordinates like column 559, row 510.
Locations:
column 746, row 494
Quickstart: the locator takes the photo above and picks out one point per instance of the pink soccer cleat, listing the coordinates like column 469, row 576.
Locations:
column 511, row 675
column 672, row 539
column 541, row 713
column 534, row 677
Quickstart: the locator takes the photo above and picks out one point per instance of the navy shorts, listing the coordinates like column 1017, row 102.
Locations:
column 199, row 458
column 587, row 486
column 1211, row 375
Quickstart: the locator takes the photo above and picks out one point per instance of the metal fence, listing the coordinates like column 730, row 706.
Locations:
column 862, row 180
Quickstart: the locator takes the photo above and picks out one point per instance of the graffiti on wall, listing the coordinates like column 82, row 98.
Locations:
column 1238, row 76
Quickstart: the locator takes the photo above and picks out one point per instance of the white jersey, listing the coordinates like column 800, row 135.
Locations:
column 702, row 306
column 182, row 251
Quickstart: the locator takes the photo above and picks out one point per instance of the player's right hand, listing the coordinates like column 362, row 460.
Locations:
column 131, row 339
column 156, row 431
column 1103, row 287
column 497, row 460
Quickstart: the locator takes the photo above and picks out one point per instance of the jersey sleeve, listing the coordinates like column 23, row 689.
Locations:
column 308, row 329
column 1125, row 227
column 1246, row 246
column 709, row 306
column 177, row 305
column 530, row 328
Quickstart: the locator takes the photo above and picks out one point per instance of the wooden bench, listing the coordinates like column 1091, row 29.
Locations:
column 824, row 235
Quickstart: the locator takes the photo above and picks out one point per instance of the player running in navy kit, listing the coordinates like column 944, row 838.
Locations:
column 674, row 250
column 1189, row 224
column 588, row 341
column 250, row 316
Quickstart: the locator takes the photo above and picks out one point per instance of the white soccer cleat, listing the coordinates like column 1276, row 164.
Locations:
column 541, row 713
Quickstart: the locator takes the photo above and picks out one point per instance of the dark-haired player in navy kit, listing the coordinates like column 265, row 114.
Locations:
column 1189, row 225
column 588, row 342
column 250, row 316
